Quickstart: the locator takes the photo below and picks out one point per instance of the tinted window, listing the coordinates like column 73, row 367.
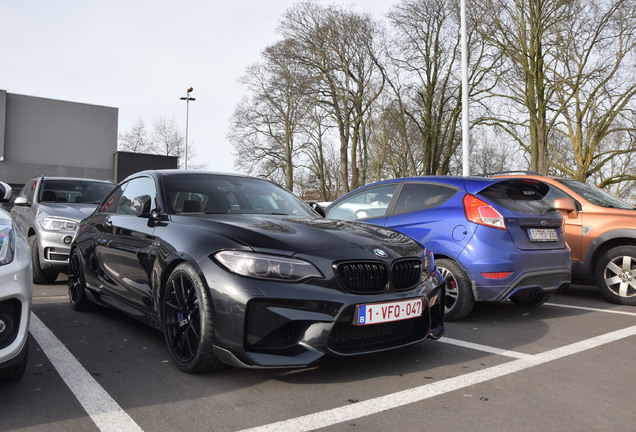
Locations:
column 555, row 193
column 421, row 196
column 133, row 198
column 519, row 196
column 368, row 203
column 596, row 196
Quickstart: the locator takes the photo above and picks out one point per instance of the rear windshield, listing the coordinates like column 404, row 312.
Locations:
column 519, row 196
column 596, row 196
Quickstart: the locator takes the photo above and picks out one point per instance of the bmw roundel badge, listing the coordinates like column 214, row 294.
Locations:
column 380, row 253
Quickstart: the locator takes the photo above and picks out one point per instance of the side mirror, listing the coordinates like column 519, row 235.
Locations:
column 566, row 206
column 141, row 205
column 5, row 192
column 318, row 208
column 21, row 201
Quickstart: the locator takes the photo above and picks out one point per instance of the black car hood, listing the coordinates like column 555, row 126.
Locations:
column 70, row 211
column 303, row 235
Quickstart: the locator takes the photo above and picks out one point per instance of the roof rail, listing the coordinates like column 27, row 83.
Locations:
column 490, row 174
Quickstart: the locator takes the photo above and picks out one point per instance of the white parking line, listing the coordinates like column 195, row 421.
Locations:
column 485, row 348
column 609, row 311
column 103, row 410
column 373, row 406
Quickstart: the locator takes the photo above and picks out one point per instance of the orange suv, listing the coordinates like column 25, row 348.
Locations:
column 601, row 232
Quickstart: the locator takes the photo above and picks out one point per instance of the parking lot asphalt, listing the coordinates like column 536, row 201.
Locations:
column 563, row 366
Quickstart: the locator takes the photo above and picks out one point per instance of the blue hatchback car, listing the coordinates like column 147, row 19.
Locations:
column 493, row 239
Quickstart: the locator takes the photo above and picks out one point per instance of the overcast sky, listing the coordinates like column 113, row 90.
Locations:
column 140, row 56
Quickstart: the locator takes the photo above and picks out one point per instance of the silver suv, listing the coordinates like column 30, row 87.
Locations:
column 47, row 212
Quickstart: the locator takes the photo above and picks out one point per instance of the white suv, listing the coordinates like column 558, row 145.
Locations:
column 16, row 292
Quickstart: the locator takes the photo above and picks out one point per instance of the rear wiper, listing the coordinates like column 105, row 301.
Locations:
column 549, row 209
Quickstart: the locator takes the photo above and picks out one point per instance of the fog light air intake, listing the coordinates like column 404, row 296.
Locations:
column 10, row 312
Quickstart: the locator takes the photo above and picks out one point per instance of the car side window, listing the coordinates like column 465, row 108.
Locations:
column 368, row 203
column 134, row 198
column 28, row 190
column 421, row 196
column 555, row 193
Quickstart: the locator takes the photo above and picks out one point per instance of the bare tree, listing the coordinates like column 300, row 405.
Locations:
column 424, row 77
column 135, row 140
column 524, row 32
column 321, row 160
column 335, row 46
column 164, row 139
column 596, row 70
column 268, row 122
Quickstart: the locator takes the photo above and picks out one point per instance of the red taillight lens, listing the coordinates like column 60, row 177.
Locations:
column 482, row 213
column 496, row 275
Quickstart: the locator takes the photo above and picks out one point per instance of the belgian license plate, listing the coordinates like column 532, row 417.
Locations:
column 378, row 313
column 542, row 234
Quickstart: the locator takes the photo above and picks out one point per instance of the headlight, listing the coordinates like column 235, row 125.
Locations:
column 58, row 224
column 7, row 243
column 263, row 266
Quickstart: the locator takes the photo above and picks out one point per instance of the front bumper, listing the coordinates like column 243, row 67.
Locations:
column 54, row 248
column 270, row 325
column 16, row 292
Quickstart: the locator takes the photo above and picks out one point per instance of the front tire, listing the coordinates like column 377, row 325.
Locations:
column 459, row 294
column 45, row 277
column 188, row 324
column 16, row 370
column 616, row 275
column 77, row 283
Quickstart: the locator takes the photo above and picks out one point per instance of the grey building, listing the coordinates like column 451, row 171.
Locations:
column 40, row 136
column 54, row 137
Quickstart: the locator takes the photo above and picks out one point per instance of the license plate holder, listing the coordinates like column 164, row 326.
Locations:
column 378, row 313
column 542, row 234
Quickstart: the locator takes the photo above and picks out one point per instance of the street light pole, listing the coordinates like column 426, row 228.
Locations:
column 465, row 112
column 187, row 98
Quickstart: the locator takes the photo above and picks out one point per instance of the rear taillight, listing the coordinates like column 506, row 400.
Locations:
column 482, row 213
column 496, row 275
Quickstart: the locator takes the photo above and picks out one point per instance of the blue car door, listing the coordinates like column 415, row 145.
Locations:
column 432, row 214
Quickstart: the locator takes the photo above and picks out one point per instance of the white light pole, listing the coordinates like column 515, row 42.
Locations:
column 465, row 119
column 187, row 98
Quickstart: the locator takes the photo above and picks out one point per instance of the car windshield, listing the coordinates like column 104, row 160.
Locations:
column 216, row 194
column 74, row 191
column 596, row 196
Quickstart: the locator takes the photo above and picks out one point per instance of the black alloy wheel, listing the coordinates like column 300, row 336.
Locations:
column 188, row 323
column 76, row 283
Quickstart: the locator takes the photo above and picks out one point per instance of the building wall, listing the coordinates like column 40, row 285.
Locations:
column 127, row 163
column 57, row 138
